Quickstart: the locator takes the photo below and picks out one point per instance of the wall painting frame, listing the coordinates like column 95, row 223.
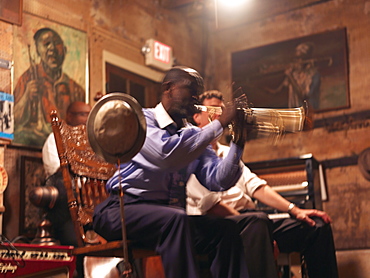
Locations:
column 46, row 77
column 283, row 74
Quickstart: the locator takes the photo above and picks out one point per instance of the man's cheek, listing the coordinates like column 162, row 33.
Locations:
column 60, row 49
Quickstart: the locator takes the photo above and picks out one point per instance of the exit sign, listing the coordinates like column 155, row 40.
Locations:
column 158, row 55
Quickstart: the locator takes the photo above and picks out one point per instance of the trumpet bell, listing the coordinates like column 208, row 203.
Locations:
column 288, row 120
column 271, row 123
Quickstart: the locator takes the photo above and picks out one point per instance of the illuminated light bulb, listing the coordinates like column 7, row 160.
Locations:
column 232, row 3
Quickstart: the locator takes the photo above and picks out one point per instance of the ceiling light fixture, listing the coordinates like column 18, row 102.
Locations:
column 227, row 4
column 231, row 3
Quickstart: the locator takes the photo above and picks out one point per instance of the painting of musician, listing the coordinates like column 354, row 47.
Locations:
column 46, row 85
column 311, row 69
column 302, row 78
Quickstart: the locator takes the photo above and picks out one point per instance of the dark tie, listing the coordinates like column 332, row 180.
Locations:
column 177, row 188
column 177, row 191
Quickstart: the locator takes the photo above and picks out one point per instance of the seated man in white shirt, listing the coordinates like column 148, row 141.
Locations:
column 59, row 216
column 307, row 232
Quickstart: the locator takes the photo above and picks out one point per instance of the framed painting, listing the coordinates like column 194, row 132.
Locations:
column 50, row 72
column 11, row 11
column 32, row 175
column 285, row 74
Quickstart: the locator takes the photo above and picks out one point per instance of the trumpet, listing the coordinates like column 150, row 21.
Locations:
column 258, row 123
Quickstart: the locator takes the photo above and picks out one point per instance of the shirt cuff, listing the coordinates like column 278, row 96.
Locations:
column 238, row 152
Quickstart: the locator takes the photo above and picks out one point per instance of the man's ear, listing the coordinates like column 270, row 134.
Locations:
column 166, row 86
column 196, row 118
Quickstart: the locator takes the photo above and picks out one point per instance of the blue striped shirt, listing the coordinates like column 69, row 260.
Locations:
column 147, row 175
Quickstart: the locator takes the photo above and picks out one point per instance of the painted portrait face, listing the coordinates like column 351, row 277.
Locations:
column 78, row 114
column 303, row 50
column 51, row 49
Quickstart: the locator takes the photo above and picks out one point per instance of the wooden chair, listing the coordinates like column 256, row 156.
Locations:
column 84, row 177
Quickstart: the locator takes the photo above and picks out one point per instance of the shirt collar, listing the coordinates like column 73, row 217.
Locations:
column 162, row 116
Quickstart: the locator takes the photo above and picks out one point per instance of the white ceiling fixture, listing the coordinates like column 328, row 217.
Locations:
column 231, row 3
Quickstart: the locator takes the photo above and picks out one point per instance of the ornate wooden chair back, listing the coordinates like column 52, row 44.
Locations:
column 84, row 175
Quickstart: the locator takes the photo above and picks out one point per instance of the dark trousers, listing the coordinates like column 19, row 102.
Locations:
column 314, row 243
column 256, row 231
column 176, row 236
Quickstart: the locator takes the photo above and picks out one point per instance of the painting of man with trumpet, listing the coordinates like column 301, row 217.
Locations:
column 287, row 74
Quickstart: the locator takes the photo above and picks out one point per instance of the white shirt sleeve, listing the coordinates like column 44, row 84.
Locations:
column 50, row 156
column 249, row 182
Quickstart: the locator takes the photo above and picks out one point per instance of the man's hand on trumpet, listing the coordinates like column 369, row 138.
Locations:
column 228, row 114
column 239, row 131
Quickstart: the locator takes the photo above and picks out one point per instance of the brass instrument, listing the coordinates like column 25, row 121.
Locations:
column 270, row 122
column 266, row 122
